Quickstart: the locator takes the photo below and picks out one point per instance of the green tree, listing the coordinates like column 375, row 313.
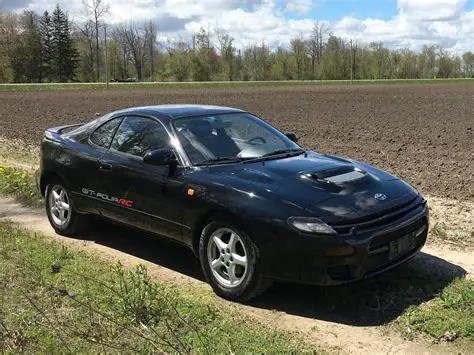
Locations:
column 468, row 64
column 65, row 54
column 300, row 58
column 333, row 60
column 202, row 50
column 227, row 52
column 25, row 54
column 47, row 50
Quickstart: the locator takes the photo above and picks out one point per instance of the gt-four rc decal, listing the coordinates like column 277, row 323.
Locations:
column 120, row 201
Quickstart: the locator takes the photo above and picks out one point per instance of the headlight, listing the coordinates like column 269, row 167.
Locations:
column 310, row 225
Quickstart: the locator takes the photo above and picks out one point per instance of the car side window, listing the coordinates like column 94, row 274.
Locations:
column 103, row 135
column 139, row 135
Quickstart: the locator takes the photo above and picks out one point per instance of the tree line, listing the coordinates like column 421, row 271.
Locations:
column 52, row 48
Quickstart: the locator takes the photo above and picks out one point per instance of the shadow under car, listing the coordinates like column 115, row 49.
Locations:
column 374, row 301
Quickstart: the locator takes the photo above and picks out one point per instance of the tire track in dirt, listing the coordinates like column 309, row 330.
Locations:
column 329, row 335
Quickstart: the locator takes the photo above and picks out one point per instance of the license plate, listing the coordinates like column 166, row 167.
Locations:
column 402, row 246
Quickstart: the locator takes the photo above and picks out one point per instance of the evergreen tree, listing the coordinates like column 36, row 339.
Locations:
column 47, row 49
column 65, row 54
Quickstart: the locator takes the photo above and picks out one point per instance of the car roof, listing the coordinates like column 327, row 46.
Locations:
column 174, row 111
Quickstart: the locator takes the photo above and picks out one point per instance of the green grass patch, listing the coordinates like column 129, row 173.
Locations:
column 218, row 84
column 55, row 300
column 439, row 231
column 21, row 184
column 451, row 312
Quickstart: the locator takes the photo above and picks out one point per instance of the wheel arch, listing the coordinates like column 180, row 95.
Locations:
column 205, row 219
column 47, row 177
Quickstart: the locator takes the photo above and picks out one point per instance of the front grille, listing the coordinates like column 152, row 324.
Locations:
column 379, row 247
column 380, row 219
column 385, row 239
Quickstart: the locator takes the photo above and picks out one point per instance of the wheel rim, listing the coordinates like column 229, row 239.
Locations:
column 59, row 206
column 227, row 257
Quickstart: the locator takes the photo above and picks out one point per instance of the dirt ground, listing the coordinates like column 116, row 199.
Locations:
column 422, row 133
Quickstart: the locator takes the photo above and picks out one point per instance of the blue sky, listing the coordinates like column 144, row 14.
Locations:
column 334, row 10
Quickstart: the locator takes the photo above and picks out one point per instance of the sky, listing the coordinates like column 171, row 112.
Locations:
column 397, row 23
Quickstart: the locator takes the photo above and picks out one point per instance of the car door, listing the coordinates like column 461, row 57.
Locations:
column 84, row 176
column 136, row 193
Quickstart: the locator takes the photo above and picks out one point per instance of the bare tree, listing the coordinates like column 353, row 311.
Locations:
column 151, row 32
column 87, row 34
column 133, row 38
column 315, row 44
column 96, row 11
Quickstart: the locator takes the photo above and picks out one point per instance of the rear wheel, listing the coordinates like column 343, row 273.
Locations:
column 229, row 261
column 60, row 210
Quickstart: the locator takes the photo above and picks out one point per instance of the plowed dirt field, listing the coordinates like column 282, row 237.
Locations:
column 422, row 133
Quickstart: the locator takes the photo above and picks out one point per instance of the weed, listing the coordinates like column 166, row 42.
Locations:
column 21, row 184
column 439, row 230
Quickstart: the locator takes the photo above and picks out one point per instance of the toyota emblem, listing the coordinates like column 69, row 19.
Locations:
column 380, row 197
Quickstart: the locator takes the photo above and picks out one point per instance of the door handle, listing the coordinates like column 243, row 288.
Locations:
column 105, row 166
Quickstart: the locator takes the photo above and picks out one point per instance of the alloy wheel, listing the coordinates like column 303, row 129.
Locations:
column 227, row 257
column 59, row 206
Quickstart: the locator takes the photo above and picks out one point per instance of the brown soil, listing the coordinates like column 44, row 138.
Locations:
column 422, row 133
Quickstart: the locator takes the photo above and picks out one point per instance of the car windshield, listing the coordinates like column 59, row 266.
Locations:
column 229, row 138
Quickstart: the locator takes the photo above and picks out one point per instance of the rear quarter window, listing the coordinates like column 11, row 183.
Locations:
column 103, row 135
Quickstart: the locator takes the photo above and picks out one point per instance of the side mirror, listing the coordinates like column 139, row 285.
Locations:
column 292, row 136
column 163, row 156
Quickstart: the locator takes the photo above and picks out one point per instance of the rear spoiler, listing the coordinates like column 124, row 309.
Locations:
column 54, row 133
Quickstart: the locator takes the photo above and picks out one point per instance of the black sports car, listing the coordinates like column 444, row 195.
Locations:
column 247, row 199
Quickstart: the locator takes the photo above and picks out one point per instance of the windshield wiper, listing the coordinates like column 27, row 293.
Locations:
column 275, row 153
column 283, row 151
column 221, row 160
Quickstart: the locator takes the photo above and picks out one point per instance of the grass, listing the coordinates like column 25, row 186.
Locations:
column 439, row 230
column 18, row 152
column 218, row 84
column 55, row 300
column 21, row 184
column 451, row 312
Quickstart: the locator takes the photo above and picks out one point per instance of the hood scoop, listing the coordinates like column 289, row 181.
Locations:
column 339, row 175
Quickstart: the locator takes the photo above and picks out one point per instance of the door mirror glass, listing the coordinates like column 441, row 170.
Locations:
column 163, row 156
column 292, row 136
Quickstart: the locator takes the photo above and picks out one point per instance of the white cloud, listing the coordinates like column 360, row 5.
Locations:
column 418, row 22
column 431, row 10
column 301, row 7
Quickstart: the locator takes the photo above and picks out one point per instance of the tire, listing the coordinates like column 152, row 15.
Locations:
column 229, row 278
column 61, row 213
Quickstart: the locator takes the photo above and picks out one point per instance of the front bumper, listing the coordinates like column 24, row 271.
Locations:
column 312, row 260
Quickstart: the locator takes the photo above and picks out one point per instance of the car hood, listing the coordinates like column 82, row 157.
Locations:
column 327, row 185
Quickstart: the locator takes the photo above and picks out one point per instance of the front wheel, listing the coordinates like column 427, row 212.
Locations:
column 60, row 210
column 230, row 262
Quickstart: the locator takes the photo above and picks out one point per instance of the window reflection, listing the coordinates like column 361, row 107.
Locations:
column 139, row 135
